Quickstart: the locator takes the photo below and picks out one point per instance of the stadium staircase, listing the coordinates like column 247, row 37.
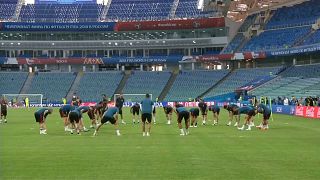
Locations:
column 243, row 43
column 215, row 85
column 123, row 82
column 168, row 86
column 300, row 41
column 74, row 85
column 18, row 10
column 27, row 84
column 105, row 10
column 174, row 9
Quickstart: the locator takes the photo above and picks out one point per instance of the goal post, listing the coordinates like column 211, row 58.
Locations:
column 17, row 100
column 131, row 97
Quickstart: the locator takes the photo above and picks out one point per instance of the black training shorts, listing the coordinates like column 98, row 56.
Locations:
column 146, row 117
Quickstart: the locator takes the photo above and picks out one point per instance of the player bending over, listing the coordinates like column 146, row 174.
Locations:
column 168, row 111
column 146, row 114
column 41, row 116
column 111, row 115
column 3, row 110
column 135, row 109
column 230, row 108
column 183, row 113
column 263, row 109
column 194, row 112
column 92, row 116
column 64, row 112
column 215, row 111
column 204, row 109
column 249, row 112
column 83, row 109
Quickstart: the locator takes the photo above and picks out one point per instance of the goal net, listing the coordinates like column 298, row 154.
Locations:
column 18, row 100
column 132, row 97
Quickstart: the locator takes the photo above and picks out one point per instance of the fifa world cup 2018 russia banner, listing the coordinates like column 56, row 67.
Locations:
column 171, row 24
column 32, row 61
column 308, row 112
column 23, row 26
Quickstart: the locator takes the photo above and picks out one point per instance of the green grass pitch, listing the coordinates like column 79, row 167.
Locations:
column 289, row 150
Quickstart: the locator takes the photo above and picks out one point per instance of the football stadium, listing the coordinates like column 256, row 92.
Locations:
column 159, row 89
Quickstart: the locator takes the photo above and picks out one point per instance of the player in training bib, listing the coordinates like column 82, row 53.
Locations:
column 146, row 114
column 194, row 112
column 41, row 116
column 168, row 111
column 135, row 110
column 215, row 111
column 183, row 113
column 111, row 115
column 266, row 112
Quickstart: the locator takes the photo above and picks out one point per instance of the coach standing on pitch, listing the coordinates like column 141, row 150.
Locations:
column 146, row 109
column 119, row 105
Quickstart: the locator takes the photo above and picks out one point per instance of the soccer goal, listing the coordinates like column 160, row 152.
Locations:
column 18, row 100
column 132, row 97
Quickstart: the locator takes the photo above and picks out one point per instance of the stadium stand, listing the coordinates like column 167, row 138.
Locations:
column 60, row 13
column 302, row 14
column 240, row 77
column 94, row 84
column 276, row 39
column 190, row 84
column 249, row 21
column 7, row 9
column 313, row 39
column 298, row 81
column 11, row 83
column 53, row 86
column 146, row 82
column 234, row 44
column 129, row 10
column 188, row 9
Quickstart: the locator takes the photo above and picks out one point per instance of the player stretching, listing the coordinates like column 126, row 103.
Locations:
column 168, row 111
column 119, row 105
column 83, row 109
column 215, row 111
column 4, row 110
column 64, row 112
column 263, row 109
column 146, row 114
column 183, row 113
column 249, row 112
column 41, row 116
column 92, row 116
column 204, row 109
column 135, row 109
column 230, row 108
column 111, row 115
column 194, row 112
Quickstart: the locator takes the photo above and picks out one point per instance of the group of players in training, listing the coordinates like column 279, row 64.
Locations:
column 100, row 114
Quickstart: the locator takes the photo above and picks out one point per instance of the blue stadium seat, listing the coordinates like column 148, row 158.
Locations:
column 12, row 82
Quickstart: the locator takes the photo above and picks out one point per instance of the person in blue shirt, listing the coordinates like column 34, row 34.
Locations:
column 83, row 109
column 146, row 111
column 41, row 116
column 204, row 110
column 168, row 111
column 74, row 119
column 194, row 112
column 215, row 111
column 266, row 111
column 183, row 113
column 231, row 109
column 111, row 115
column 64, row 112
column 249, row 112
